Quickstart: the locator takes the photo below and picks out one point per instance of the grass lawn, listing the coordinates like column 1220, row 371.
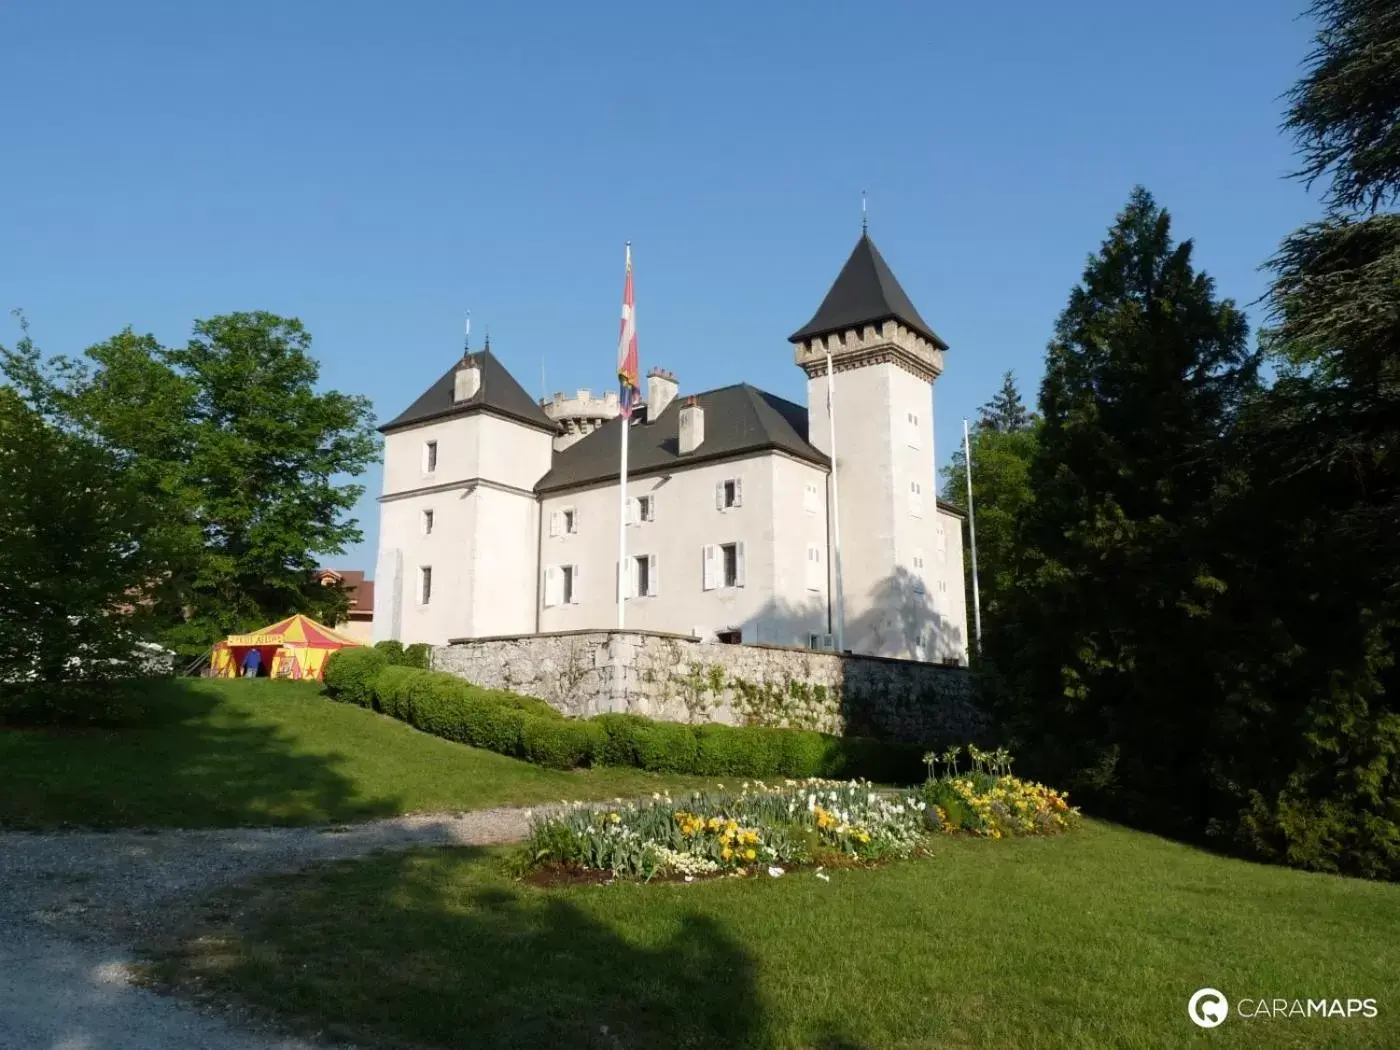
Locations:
column 219, row 753
column 1092, row 940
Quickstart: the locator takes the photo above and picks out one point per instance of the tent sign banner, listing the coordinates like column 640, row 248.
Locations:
column 254, row 639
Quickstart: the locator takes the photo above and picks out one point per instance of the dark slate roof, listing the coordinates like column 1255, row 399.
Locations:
column 865, row 292
column 499, row 394
column 738, row 419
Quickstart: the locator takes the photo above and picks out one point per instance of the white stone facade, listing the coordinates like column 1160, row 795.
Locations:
column 732, row 547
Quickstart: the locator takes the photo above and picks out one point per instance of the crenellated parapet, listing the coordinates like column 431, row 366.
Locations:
column 889, row 341
column 579, row 415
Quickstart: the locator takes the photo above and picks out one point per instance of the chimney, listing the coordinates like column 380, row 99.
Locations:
column 467, row 380
column 692, row 426
column 661, row 391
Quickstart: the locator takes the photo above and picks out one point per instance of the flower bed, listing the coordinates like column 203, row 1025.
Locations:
column 989, row 801
column 762, row 827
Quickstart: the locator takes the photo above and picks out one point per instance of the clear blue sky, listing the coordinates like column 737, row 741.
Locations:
column 377, row 169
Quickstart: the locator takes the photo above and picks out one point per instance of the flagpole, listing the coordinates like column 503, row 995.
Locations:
column 972, row 535
column 622, row 528
column 840, row 624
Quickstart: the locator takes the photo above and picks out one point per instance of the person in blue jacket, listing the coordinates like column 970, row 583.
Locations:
column 251, row 663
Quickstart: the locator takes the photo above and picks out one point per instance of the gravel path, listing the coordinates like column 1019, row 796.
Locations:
column 72, row 905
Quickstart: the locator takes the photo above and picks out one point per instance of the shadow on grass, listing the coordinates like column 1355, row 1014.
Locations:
column 441, row 949
column 199, row 755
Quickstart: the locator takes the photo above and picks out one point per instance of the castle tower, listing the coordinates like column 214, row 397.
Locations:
column 458, row 518
column 579, row 416
column 884, row 359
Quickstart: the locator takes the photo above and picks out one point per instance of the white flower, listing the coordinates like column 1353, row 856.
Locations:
column 775, row 872
column 824, row 878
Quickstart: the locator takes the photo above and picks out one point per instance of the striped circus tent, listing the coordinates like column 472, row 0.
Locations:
column 296, row 647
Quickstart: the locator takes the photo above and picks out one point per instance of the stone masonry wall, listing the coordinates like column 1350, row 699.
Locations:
column 682, row 679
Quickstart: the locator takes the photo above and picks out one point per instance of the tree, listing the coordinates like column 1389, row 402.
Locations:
column 231, row 426
column 1001, row 494
column 1147, row 371
column 81, row 551
column 1322, row 782
column 1004, row 412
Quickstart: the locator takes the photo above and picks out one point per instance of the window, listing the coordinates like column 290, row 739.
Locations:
column 819, row 641
column 561, row 585
column 729, row 494
column 916, row 499
column 640, row 509
column 911, row 429
column 942, row 545
column 918, row 571
column 815, row 576
column 729, row 637
column 643, row 576
column 723, row 566
column 943, row 586
column 427, row 523
column 811, row 498
column 429, row 457
column 425, row 584
column 563, row 522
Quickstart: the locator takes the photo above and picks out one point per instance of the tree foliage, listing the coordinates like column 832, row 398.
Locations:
column 254, row 457
column 82, row 551
column 1005, row 411
column 1147, row 371
column 1345, row 111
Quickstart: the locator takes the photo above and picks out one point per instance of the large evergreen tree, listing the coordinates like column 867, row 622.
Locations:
column 1323, row 780
column 1006, row 411
column 1146, row 372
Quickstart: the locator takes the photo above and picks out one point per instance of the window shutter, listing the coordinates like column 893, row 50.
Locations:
column 708, row 579
column 738, row 492
column 633, row 580
column 554, row 518
column 651, row 574
column 814, row 569
column 719, row 495
column 738, row 565
column 651, row 507
column 573, row 520
column 552, row 586
column 573, row 595
column 634, row 510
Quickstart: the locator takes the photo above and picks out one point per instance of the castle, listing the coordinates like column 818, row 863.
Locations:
column 499, row 515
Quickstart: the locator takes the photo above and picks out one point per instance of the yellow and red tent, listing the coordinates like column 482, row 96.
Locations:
column 296, row 647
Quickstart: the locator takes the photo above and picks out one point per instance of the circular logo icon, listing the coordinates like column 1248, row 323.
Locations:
column 1207, row 1008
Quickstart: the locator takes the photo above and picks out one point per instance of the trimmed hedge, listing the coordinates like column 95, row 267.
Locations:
column 350, row 674
column 524, row 727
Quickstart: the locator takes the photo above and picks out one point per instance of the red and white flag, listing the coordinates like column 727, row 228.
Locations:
column 627, row 369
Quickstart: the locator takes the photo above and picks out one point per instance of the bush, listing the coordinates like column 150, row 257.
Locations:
column 418, row 655
column 753, row 751
column 667, row 747
column 350, row 674
column 389, row 692
column 392, row 650
column 560, row 743
column 803, row 753
column 620, row 744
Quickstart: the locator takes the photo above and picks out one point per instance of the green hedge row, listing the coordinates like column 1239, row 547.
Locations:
column 454, row 709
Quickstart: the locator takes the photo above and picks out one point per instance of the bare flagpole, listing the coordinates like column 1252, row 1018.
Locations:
column 972, row 535
column 840, row 617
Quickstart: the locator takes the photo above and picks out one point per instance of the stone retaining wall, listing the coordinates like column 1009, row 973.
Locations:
column 682, row 679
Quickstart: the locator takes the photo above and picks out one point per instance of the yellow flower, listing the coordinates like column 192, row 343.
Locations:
column 726, row 853
column 749, row 854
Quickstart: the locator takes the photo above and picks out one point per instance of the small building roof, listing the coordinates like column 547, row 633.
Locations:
column 499, row 394
column 866, row 291
column 738, row 419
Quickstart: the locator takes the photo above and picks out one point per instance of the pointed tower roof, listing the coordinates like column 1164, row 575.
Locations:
column 498, row 394
column 866, row 291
